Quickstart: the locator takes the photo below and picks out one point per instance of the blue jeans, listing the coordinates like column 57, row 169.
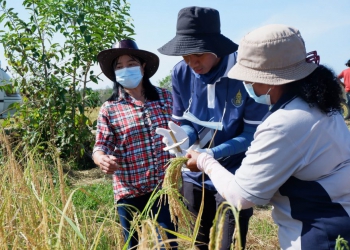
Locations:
column 140, row 202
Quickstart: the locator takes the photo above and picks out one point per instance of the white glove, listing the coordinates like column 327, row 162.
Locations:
column 180, row 136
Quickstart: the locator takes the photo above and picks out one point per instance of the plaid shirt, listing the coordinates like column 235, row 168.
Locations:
column 126, row 129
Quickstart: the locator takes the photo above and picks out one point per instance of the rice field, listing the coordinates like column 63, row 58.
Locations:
column 46, row 205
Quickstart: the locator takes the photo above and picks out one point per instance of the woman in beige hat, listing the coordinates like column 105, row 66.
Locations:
column 299, row 160
column 126, row 143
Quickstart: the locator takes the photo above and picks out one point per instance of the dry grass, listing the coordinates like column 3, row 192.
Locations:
column 37, row 212
column 262, row 232
column 92, row 113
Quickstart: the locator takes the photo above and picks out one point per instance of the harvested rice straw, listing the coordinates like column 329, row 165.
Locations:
column 172, row 183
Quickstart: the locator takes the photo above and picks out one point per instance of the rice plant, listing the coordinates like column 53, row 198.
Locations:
column 172, row 183
column 38, row 208
column 37, row 212
column 341, row 244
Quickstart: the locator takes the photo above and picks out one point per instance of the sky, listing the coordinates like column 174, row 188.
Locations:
column 324, row 25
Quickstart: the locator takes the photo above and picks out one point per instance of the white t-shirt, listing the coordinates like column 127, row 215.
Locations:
column 299, row 161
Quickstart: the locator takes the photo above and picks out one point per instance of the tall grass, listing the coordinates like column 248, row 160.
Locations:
column 39, row 209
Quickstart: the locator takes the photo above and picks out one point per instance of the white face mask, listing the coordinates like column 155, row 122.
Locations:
column 129, row 78
column 212, row 125
column 263, row 99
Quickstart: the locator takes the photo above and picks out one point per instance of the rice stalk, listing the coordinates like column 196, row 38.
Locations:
column 28, row 202
column 341, row 244
column 172, row 183
column 216, row 231
column 173, row 174
column 199, row 217
column 152, row 236
column 144, row 215
column 97, row 236
column 61, row 178
column 134, row 224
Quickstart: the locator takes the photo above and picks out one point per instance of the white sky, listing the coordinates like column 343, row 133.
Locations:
column 324, row 25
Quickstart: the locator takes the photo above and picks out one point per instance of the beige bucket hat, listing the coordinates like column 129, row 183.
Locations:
column 274, row 54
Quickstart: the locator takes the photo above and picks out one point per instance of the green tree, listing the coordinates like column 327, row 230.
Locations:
column 166, row 82
column 50, row 57
column 104, row 94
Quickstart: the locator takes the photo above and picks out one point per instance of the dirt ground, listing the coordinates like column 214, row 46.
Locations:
column 88, row 176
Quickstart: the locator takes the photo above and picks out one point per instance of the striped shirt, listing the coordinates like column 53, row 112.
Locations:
column 126, row 129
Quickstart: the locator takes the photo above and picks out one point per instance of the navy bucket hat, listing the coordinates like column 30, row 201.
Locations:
column 198, row 31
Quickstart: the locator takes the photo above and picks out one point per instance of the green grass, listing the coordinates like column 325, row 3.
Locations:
column 91, row 197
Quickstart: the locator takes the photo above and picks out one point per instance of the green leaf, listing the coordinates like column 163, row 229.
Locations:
column 81, row 108
column 83, row 28
column 33, row 29
column 2, row 17
column 87, row 38
column 58, row 26
column 63, row 110
column 52, row 101
column 70, row 222
column 93, row 78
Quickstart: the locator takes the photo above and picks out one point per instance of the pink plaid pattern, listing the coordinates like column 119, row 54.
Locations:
column 126, row 129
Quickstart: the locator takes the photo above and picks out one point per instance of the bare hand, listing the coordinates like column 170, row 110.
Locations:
column 107, row 163
column 192, row 162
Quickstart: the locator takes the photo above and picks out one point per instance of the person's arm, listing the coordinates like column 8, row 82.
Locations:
column 253, row 115
column 268, row 164
column 235, row 145
column 107, row 163
column 223, row 180
column 190, row 131
column 104, row 145
column 341, row 75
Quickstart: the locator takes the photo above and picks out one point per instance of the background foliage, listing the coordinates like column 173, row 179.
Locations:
column 50, row 57
column 166, row 82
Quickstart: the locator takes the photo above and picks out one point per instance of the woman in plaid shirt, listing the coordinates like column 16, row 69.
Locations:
column 126, row 143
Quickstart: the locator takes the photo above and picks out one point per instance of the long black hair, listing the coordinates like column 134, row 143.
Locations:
column 150, row 91
column 320, row 88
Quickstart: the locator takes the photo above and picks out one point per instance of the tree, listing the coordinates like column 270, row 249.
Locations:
column 104, row 94
column 50, row 57
column 166, row 82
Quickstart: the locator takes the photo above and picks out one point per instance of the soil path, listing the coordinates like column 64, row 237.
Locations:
column 89, row 176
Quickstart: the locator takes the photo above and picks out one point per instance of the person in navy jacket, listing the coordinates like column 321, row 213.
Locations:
column 215, row 113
